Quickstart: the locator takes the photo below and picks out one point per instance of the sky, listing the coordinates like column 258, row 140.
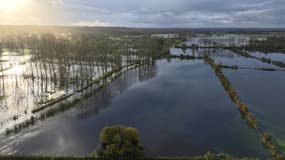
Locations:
column 144, row 13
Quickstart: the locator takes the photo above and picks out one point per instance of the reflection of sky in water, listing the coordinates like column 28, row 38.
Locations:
column 9, row 61
column 27, row 84
column 272, row 56
column 14, row 87
column 16, row 70
column 181, row 111
column 264, row 93
column 239, row 60
column 227, row 57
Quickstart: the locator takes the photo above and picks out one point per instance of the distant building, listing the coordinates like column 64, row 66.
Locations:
column 227, row 40
column 166, row 36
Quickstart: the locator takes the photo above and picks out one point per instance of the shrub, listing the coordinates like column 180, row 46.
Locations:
column 266, row 138
column 267, row 141
column 279, row 157
column 251, row 120
column 243, row 108
column 120, row 142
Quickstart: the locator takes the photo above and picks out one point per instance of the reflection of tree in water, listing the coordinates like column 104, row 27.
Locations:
column 215, row 52
column 103, row 99
column 147, row 71
column 53, row 65
column 2, row 82
column 63, row 65
column 224, row 53
column 99, row 102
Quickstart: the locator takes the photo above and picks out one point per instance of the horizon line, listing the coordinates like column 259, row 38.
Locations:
column 132, row 27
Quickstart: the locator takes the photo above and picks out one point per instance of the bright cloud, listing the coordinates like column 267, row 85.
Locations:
column 147, row 13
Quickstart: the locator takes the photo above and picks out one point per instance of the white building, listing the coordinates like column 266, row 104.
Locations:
column 166, row 36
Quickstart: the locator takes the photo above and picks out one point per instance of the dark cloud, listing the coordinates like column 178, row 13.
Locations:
column 163, row 13
column 183, row 13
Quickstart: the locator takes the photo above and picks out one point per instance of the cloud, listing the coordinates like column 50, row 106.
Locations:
column 91, row 23
column 57, row 3
column 156, row 13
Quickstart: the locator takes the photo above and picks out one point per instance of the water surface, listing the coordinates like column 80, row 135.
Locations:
column 263, row 92
column 179, row 107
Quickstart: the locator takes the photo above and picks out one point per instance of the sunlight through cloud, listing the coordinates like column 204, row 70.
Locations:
column 11, row 5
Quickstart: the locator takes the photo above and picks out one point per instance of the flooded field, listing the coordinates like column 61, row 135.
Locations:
column 197, row 99
column 263, row 93
column 272, row 55
column 164, row 104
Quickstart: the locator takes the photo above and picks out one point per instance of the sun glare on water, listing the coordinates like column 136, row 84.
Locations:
column 10, row 5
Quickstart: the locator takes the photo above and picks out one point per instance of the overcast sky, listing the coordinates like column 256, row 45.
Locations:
column 146, row 13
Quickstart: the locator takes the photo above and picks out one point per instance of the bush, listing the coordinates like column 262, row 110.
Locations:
column 120, row 142
column 243, row 108
column 251, row 120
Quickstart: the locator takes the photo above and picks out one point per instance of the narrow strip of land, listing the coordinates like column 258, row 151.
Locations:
column 263, row 59
column 235, row 67
column 249, row 117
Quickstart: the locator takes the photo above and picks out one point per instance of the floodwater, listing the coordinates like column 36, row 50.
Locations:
column 28, row 84
column 276, row 56
column 179, row 107
column 263, row 92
